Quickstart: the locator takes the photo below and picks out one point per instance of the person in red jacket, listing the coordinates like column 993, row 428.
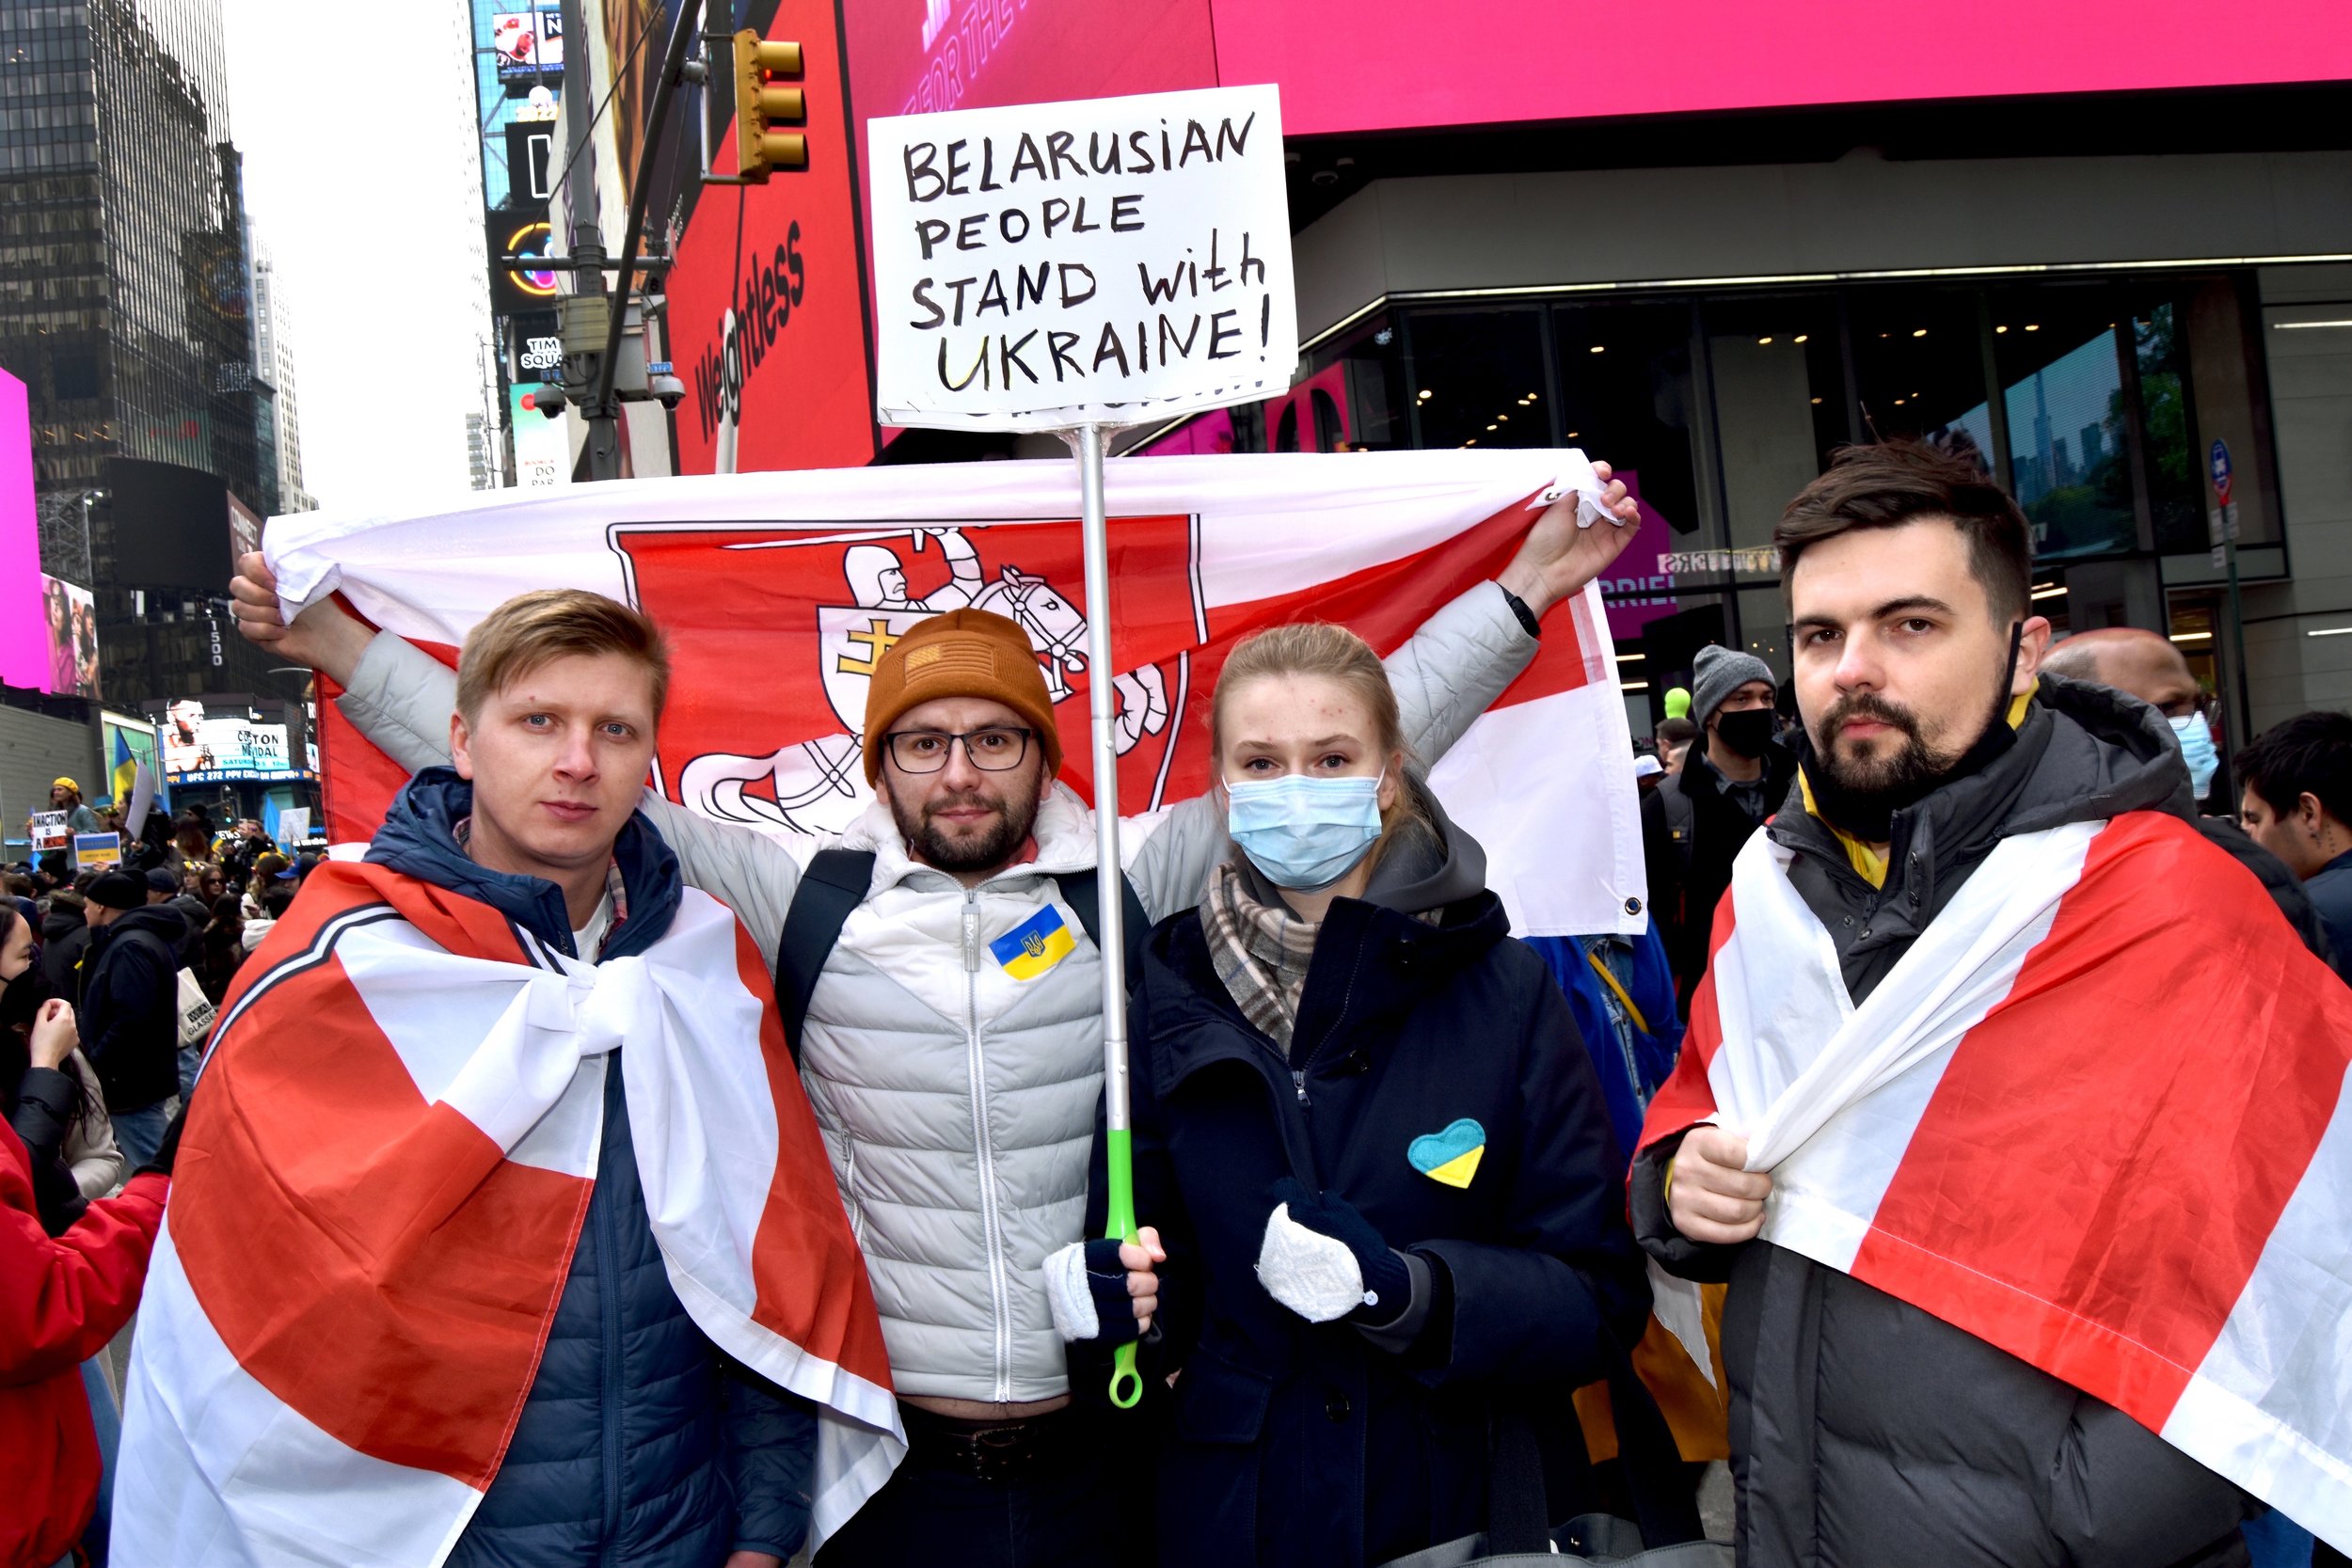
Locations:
column 61, row 1300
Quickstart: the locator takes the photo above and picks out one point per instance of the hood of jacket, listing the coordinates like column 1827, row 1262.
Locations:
column 420, row 839
column 159, row 920
column 57, row 924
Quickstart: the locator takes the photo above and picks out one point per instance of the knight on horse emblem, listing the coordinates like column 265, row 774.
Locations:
column 818, row 784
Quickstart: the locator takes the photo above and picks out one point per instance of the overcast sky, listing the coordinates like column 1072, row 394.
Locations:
column 353, row 126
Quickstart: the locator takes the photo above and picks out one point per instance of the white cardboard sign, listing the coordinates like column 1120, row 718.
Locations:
column 1108, row 261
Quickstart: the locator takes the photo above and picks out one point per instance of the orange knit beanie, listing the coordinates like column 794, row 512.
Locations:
column 964, row 653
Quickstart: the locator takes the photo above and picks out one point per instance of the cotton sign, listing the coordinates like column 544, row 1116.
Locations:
column 1103, row 261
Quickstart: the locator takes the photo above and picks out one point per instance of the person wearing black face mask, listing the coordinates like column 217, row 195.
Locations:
column 1694, row 824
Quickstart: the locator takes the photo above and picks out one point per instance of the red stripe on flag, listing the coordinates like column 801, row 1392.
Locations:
column 803, row 1247
column 371, row 1259
column 356, row 780
column 2106, row 1155
column 1686, row 1097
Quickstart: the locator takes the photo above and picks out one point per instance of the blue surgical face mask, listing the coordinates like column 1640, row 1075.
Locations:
column 2196, row 738
column 1303, row 831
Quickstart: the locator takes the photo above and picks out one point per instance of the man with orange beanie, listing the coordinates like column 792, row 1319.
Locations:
column 938, row 958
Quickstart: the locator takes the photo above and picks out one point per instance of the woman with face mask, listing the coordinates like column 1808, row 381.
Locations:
column 1374, row 1149
column 49, row 1093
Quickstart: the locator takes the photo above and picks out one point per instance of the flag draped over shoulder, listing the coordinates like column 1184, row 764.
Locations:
column 2095, row 1117
column 779, row 592
column 376, row 1201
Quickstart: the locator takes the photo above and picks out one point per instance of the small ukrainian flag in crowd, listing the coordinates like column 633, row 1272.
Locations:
column 1035, row 945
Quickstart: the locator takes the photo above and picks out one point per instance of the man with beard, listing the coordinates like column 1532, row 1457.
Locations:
column 1694, row 824
column 1865, row 1430
column 944, row 997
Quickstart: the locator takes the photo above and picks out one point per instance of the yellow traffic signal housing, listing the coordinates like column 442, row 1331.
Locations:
column 760, row 100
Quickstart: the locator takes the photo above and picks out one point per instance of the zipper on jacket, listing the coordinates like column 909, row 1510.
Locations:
column 992, row 1223
column 609, row 1413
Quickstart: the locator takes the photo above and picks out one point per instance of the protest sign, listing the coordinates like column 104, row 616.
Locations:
column 97, row 850
column 142, row 798
column 293, row 826
column 1049, row 265
column 49, row 831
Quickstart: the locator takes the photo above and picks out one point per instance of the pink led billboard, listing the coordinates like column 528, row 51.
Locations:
column 24, row 626
column 1357, row 65
column 1361, row 65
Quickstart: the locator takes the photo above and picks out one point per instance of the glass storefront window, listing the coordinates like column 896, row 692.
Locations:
column 1478, row 378
column 2174, row 482
column 1630, row 404
column 2062, row 392
column 1919, row 364
column 1779, row 406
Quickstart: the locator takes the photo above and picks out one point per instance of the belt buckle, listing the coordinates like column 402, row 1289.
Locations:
column 999, row 1453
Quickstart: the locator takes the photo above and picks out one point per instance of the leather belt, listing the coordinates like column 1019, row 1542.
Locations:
column 999, row 1452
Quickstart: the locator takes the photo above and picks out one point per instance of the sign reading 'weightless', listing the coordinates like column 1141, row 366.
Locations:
column 1106, row 261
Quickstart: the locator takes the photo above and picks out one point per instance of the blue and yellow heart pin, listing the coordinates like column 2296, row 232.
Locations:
column 1451, row 1156
column 1035, row 945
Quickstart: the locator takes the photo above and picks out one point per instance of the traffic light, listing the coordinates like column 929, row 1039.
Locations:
column 761, row 99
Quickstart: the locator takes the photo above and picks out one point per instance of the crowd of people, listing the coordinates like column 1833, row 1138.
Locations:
column 1395, row 1219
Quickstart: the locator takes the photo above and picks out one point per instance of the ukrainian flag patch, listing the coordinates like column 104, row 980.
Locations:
column 1035, row 945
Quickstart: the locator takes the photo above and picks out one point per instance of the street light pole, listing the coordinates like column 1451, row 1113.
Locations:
column 89, row 561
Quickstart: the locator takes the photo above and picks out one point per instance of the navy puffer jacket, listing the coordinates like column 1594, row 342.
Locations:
column 640, row 1445
column 1319, row 1446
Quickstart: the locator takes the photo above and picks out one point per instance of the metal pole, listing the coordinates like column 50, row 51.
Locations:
column 1109, row 882
column 601, row 404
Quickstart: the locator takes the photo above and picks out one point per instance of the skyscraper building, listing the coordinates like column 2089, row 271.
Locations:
column 274, row 360
column 126, row 306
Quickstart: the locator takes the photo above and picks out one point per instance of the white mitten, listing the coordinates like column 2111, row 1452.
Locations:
column 1314, row 1274
column 1065, row 1292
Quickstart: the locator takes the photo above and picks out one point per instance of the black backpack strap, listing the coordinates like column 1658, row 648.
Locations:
column 1682, row 820
column 1080, row 891
column 832, row 886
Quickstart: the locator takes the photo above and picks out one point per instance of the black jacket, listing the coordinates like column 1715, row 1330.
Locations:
column 64, row 937
column 639, row 1444
column 1305, row 1445
column 1863, row 1430
column 1688, row 879
column 130, row 1014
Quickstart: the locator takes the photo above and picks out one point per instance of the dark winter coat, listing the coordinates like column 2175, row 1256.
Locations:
column 639, row 1444
column 64, row 937
column 2330, row 893
column 1305, row 1445
column 1687, row 881
column 130, row 1012
column 1863, row 1430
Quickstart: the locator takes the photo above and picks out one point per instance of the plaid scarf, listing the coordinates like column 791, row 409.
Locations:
column 1260, row 951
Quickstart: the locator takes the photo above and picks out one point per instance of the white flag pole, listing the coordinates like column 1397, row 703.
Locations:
column 1088, row 441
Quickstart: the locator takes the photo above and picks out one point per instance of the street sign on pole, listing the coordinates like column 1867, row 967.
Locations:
column 2222, row 472
column 1078, row 267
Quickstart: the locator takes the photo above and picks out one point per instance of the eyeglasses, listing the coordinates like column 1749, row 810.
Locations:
column 998, row 749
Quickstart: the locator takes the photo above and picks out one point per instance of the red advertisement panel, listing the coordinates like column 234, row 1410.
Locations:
column 767, row 313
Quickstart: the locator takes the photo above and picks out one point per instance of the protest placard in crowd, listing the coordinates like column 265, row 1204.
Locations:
column 1105, row 261
column 97, row 850
column 49, row 831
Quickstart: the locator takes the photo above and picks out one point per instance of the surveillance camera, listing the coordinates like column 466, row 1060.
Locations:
column 549, row 399
column 667, row 389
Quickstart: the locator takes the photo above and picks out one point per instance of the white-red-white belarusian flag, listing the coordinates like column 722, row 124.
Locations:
column 376, row 1201
column 779, row 591
column 2095, row 1117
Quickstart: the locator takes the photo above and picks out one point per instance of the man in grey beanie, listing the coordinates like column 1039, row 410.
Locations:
column 1694, row 824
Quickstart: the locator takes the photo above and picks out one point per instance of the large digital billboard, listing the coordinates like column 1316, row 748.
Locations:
column 1369, row 65
column 201, row 749
column 69, row 620
column 23, row 648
